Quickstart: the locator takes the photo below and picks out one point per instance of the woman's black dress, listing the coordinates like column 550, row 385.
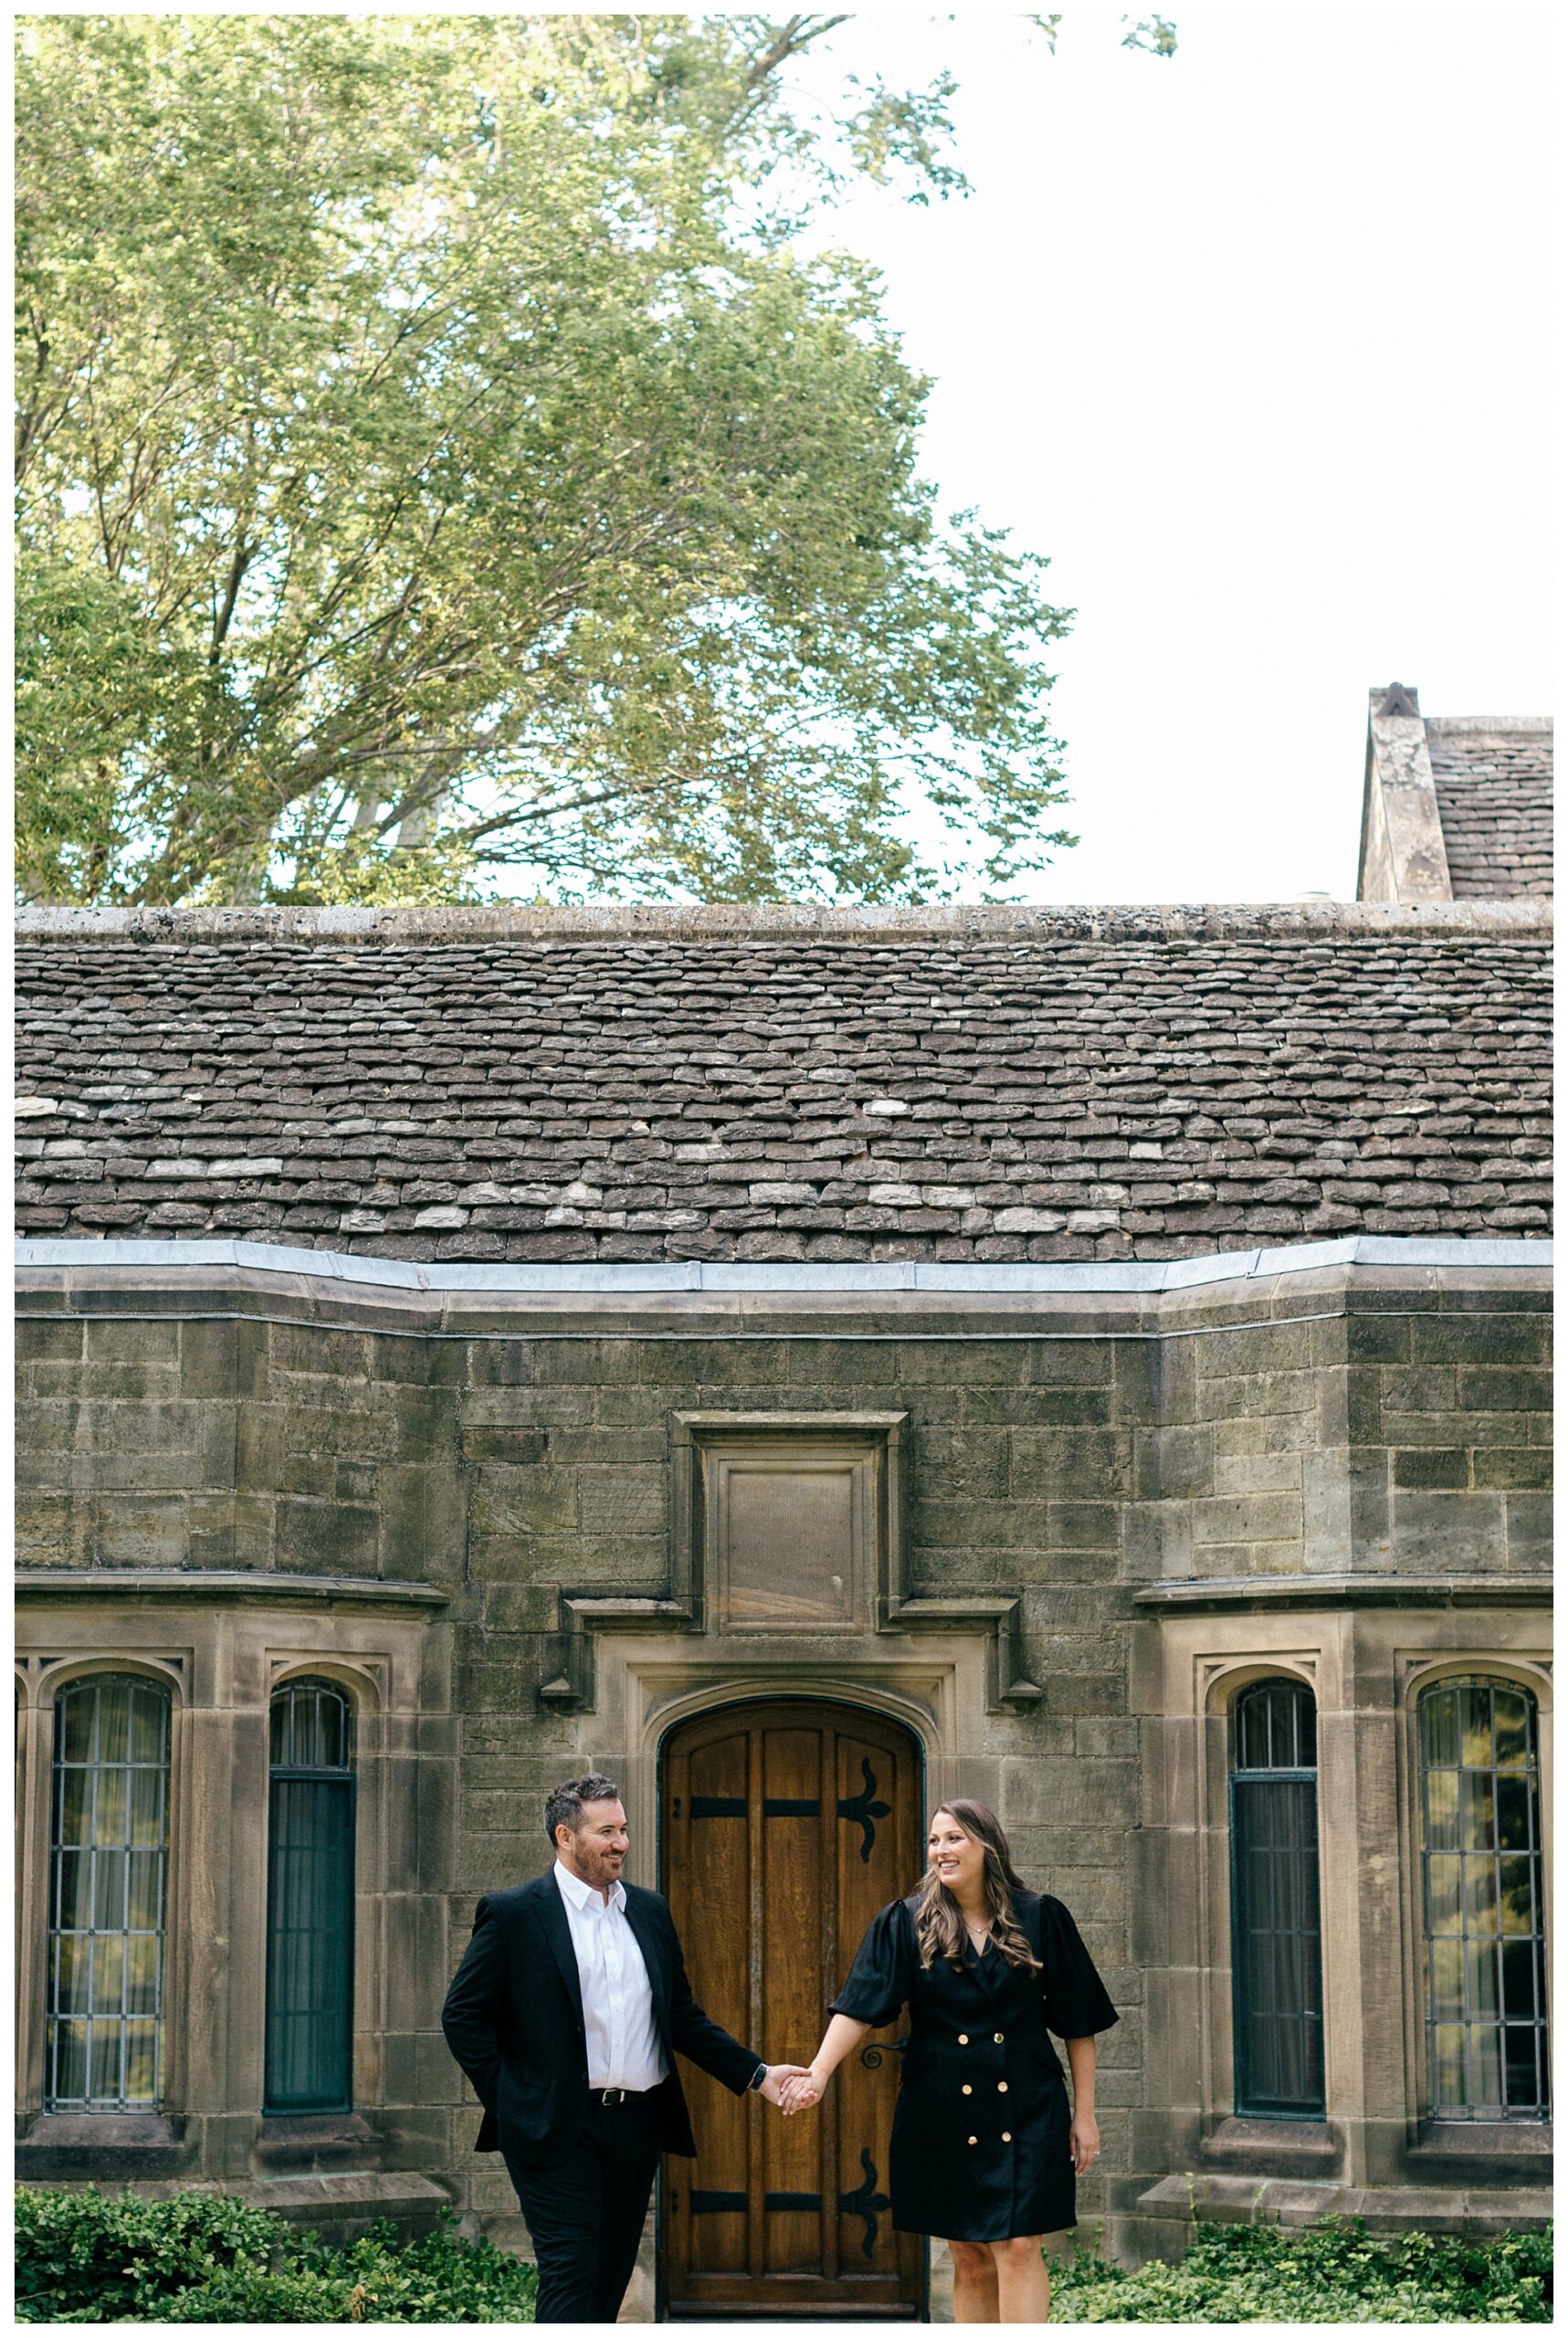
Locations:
column 980, row 2135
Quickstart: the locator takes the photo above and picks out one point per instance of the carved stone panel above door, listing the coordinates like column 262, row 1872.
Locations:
column 788, row 1523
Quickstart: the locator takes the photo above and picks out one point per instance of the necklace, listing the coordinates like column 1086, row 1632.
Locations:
column 979, row 1934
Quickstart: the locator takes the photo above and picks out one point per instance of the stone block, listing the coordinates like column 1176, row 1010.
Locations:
column 1447, row 1532
column 138, row 1341
column 139, row 1531
column 1255, row 1349
column 945, row 1462
column 1527, row 1531
column 326, row 1537
column 1084, row 1526
column 46, row 1427
column 258, row 1448
column 132, row 1471
column 1496, row 1340
column 1177, row 1461
column 1432, row 1466
column 1509, row 1466
column 1486, row 1389
column 524, row 1502
column 1379, row 1339
column 38, row 1341
column 51, row 1529
column 1248, row 1518
column 621, row 1501
column 228, row 1360
column 519, row 1447
column 425, row 1421
column 423, row 1525
column 359, row 1435
column 1092, row 1463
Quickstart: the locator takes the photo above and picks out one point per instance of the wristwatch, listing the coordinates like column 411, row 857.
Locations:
column 758, row 2075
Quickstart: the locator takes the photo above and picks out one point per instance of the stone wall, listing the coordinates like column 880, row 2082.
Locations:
column 276, row 1445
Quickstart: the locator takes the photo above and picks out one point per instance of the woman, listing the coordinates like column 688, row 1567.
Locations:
column 984, row 2152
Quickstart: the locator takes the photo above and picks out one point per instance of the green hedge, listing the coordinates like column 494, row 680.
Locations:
column 203, row 2257
column 1330, row 2272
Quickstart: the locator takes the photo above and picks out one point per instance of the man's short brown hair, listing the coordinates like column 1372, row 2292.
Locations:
column 563, row 1804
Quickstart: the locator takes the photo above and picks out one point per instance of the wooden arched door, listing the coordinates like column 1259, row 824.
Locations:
column 785, row 1826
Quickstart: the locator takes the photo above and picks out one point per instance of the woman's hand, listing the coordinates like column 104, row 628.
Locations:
column 1083, row 2141
column 801, row 2089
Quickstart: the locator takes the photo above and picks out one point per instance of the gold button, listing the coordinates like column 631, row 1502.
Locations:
column 969, row 2090
column 963, row 2038
column 973, row 2139
column 997, row 2039
column 1001, row 2086
column 1006, row 2138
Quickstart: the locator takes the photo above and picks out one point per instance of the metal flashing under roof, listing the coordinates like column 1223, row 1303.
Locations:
column 614, row 1279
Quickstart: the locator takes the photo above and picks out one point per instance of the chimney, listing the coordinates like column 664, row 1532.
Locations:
column 1403, row 857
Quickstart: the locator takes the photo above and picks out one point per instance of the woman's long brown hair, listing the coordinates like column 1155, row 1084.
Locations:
column 938, row 1920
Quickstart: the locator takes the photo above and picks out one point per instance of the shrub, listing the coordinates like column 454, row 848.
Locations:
column 204, row 2257
column 1330, row 2272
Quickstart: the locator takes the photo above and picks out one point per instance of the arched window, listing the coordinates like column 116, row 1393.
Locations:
column 1484, row 1912
column 109, row 1857
column 1276, row 1959
column 310, row 1901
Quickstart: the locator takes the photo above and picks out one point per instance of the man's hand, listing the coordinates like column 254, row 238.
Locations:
column 776, row 2086
column 800, row 2092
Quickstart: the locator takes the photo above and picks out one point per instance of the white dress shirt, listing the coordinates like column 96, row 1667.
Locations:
column 617, row 1998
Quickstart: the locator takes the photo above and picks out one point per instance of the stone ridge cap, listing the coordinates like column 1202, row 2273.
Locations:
column 767, row 922
column 610, row 1279
column 1488, row 725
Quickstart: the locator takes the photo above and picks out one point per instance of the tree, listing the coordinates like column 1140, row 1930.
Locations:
column 433, row 460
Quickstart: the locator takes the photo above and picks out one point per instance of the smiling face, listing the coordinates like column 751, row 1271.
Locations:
column 957, row 1857
column 597, row 1851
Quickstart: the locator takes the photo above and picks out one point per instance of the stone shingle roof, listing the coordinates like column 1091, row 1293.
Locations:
column 1493, row 783
column 986, row 1084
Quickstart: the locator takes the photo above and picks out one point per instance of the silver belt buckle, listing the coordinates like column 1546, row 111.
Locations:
column 613, row 2094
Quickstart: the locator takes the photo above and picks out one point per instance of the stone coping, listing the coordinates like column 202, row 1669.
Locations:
column 773, row 921
column 225, row 1586
column 614, row 1278
column 1199, row 1594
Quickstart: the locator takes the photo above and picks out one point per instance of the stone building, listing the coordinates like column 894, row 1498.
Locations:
column 805, row 1363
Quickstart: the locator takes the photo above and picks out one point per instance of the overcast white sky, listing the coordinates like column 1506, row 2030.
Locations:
column 1253, row 343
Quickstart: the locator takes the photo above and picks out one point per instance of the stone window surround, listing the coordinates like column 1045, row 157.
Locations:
column 221, row 1658
column 1204, row 1659
column 1433, row 2134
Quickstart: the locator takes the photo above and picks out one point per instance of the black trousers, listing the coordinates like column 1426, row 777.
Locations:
column 586, row 2213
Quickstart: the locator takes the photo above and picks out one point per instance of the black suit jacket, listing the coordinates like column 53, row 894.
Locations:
column 513, row 2019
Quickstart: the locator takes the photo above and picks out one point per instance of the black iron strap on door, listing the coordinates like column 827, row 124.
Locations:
column 864, row 2201
column 861, row 1810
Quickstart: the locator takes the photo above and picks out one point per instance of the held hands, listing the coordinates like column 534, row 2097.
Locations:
column 789, row 2087
column 803, row 2088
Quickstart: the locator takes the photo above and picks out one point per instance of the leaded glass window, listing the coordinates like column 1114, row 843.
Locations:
column 1484, row 1909
column 1276, row 1950
column 310, row 1901
column 108, row 1881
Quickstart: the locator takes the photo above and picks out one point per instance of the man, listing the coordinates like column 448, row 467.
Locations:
column 567, row 2012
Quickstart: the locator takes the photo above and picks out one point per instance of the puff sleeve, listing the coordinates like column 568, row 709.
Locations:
column 1075, row 2002
column 883, row 1971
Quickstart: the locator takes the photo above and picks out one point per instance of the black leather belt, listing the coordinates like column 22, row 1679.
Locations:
column 608, row 2097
